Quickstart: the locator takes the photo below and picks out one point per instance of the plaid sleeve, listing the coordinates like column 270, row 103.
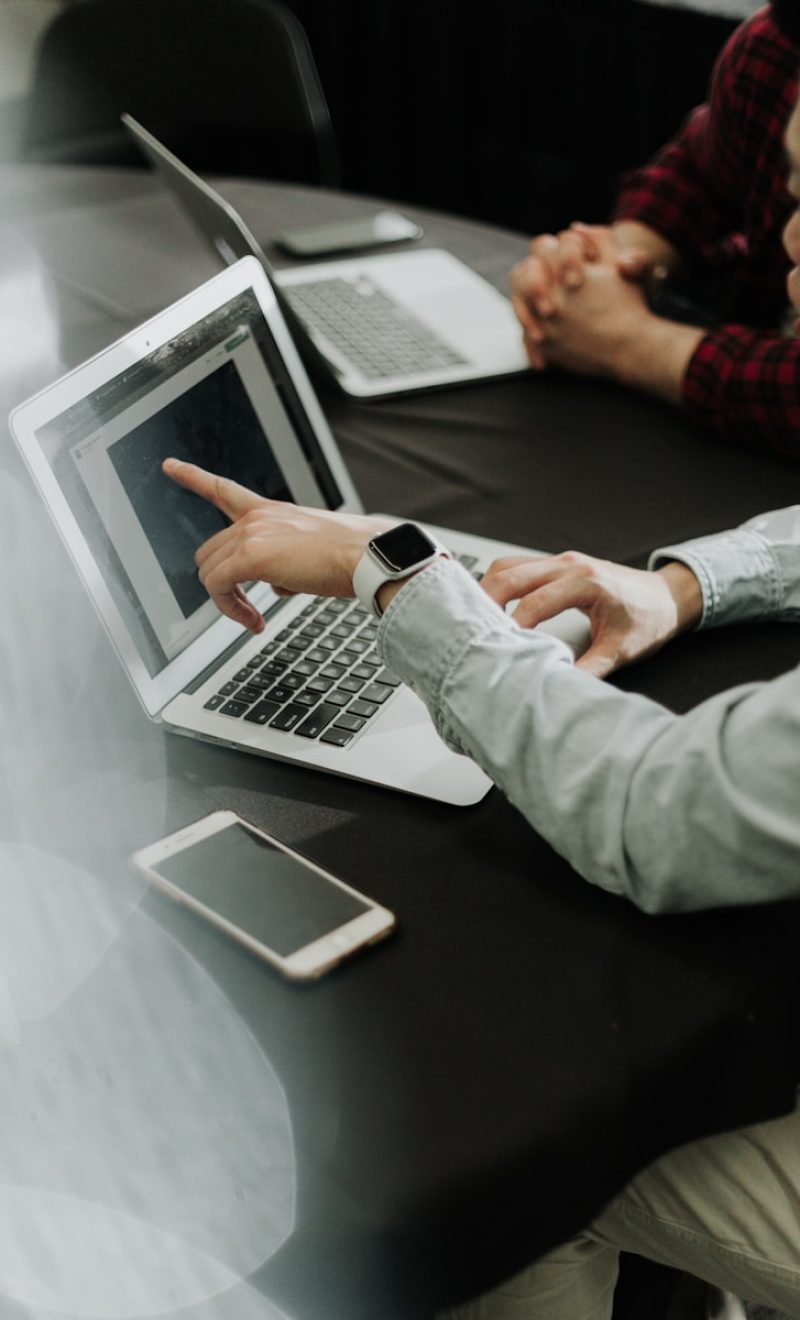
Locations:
column 693, row 191
column 745, row 385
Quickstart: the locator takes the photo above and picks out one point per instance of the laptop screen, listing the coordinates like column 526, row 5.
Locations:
column 218, row 395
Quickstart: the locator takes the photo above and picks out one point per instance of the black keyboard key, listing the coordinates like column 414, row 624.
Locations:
column 293, row 680
column 249, row 694
column 213, row 702
column 351, row 684
column 262, row 681
column 377, row 692
column 312, row 631
column 357, row 646
column 280, row 693
column 228, row 689
column 343, row 629
column 328, row 644
column 288, row 717
column 263, row 712
column 386, row 676
column 316, row 656
column 338, row 697
column 318, row 720
column 254, row 662
column 274, row 667
column 319, row 684
column 306, row 667
column 289, row 655
column 351, row 722
column 333, row 670
column 336, row 737
column 242, row 676
column 366, row 669
column 364, row 708
column 235, row 708
column 307, row 698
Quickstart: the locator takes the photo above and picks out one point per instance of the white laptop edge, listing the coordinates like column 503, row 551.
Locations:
column 26, row 420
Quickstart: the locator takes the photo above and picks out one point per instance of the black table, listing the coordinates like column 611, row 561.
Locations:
column 428, row 1119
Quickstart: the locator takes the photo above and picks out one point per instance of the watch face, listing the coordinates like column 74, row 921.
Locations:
column 402, row 547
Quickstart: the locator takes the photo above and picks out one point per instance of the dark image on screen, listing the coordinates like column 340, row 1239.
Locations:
column 214, row 425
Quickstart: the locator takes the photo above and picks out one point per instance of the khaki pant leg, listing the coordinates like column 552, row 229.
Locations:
column 574, row 1282
column 726, row 1209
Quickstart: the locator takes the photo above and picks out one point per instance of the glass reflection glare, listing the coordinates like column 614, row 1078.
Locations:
column 146, row 1147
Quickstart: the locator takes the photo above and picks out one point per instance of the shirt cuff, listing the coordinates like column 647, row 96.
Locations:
column 739, row 574
column 439, row 614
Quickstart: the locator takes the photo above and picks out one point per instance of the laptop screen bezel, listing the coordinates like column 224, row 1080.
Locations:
column 28, row 420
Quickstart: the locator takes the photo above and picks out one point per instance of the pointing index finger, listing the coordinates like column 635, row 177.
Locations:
column 233, row 500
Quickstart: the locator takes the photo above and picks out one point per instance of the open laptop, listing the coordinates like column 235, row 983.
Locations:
column 216, row 379
column 381, row 325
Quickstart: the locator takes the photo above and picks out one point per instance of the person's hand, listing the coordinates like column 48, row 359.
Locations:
column 606, row 328
column 591, row 328
column 632, row 613
column 638, row 253
column 293, row 548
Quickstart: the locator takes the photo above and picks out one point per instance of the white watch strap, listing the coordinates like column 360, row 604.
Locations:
column 370, row 575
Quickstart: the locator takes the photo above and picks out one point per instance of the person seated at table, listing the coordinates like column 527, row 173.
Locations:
column 677, row 812
column 708, row 209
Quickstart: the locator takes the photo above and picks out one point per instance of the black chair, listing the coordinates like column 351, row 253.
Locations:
column 229, row 85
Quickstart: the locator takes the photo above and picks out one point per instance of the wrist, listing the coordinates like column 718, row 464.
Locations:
column 655, row 354
column 389, row 560
column 685, row 590
column 657, row 251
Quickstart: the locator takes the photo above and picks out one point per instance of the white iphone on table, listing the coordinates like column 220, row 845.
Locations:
column 283, row 907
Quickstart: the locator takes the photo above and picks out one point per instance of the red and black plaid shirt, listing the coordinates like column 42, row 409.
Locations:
column 718, row 193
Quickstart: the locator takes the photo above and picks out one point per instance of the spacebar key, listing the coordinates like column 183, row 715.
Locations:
column 318, row 720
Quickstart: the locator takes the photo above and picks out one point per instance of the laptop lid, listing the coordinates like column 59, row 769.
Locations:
column 94, row 442
column 454, row 326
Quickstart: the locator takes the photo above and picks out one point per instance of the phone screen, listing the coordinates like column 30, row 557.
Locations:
column 275, row 897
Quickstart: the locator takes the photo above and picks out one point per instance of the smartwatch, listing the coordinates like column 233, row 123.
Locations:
column 391, row 556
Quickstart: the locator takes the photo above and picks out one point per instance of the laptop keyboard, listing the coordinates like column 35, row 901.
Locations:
column 320, row 677
column 380, row 337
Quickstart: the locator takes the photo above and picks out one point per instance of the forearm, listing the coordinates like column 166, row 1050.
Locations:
column 671, row 196
column 674, row 812
column 654, row 356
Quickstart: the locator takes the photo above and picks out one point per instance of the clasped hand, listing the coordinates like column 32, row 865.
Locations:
column 580, row 300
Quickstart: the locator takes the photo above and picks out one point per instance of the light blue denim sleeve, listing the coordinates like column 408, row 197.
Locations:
column 675, row 812
column 751, row 572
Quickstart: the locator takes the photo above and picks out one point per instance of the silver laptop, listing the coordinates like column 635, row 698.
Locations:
column 381, row 325
column 216, row 379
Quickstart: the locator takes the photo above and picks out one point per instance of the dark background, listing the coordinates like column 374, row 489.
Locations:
column 524, row 113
